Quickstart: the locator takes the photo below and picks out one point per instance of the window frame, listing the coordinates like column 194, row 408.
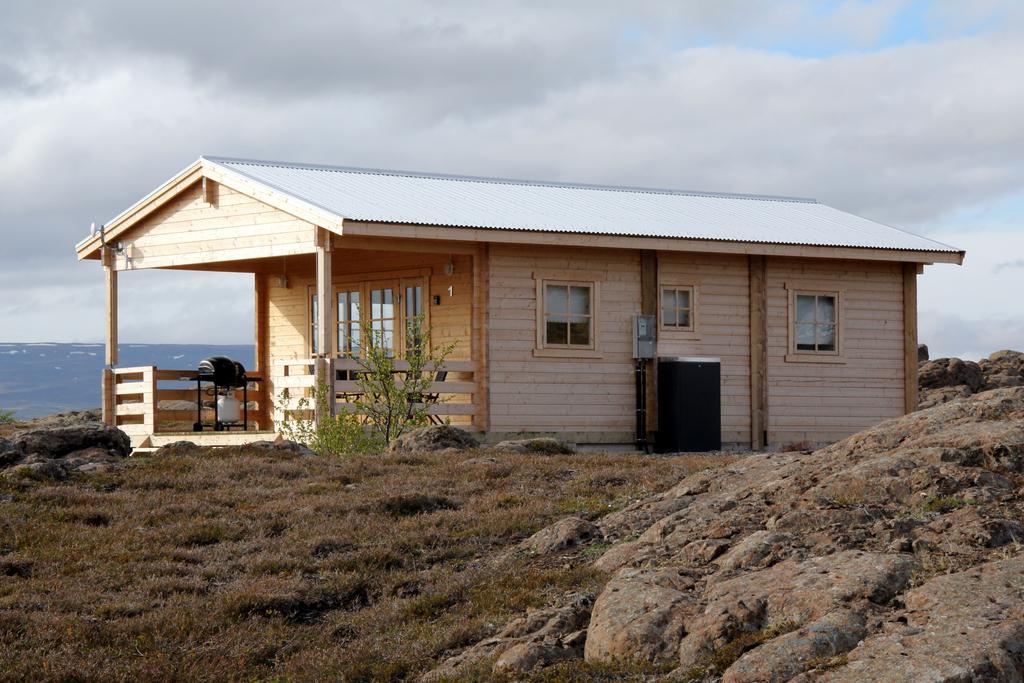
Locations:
column 689, row 330
column 543, row 348
column 795, row 355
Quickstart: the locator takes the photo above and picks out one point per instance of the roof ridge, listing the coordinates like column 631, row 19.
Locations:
column 506, row 181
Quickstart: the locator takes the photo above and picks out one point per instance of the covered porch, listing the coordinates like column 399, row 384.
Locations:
column 371, row 282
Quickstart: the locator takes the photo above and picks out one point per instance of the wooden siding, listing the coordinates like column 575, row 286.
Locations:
column 821, row 402
column 188, row 230
column 722, row 315
column 592, row 397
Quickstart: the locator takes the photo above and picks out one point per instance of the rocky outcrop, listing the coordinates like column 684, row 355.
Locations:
column 891, row 555
column 55, row 452
column 434, row 438
column 947, row 379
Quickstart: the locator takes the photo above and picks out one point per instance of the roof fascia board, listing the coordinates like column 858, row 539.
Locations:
column 428, row 232
column 272, row 196
column 89, row 247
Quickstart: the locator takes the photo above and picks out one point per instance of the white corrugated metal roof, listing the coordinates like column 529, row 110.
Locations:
column 459, row 201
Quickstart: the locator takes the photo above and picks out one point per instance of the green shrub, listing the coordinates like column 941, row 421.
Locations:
column 389, row 402
column 393, row 402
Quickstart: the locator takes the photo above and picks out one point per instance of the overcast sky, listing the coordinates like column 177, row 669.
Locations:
column 907, row 112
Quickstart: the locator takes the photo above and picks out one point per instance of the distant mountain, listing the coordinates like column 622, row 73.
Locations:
column 43, row 378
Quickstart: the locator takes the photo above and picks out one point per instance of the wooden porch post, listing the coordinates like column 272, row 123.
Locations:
column 325, row 320
column 757, row 269
column 909, row 337
column 262, row 339
column 108, row 399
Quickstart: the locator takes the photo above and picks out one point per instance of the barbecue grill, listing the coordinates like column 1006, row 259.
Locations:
column 226, row 376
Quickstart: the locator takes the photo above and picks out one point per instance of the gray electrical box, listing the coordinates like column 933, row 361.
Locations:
column 644, row 336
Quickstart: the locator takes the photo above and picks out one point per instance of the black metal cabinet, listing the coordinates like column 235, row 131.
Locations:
column 689, row 404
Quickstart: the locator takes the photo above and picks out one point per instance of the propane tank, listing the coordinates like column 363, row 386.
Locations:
column 228, row 409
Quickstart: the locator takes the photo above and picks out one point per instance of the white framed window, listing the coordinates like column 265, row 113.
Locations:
column 815, row 326
column 566, row 317
column 349, row 322
column 677, row 308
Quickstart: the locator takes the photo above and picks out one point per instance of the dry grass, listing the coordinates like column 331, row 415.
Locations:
column 242, row 566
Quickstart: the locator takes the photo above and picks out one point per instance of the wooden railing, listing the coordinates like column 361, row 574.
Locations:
column 136, row 394
column 454, row 395
column 292, row 381
column 136, row 397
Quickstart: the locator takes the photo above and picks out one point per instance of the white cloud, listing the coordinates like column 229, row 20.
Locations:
column 101, row 105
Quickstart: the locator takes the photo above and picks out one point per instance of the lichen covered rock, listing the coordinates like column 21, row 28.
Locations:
column 55, row 452
column 434, row 438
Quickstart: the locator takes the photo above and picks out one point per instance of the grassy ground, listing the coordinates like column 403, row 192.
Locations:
column 243, row 566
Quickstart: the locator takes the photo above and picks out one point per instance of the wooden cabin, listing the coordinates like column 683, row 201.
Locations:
column 810, row 311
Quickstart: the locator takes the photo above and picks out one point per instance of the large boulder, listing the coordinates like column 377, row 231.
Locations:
column 57, row 442
column 434, row 438
column 641, row 614
column 950, row 372
column 53, row 452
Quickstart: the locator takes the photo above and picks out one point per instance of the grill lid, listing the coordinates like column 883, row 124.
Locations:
column 222, row 371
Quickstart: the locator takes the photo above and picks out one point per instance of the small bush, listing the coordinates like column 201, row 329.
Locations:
column 388, row 404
